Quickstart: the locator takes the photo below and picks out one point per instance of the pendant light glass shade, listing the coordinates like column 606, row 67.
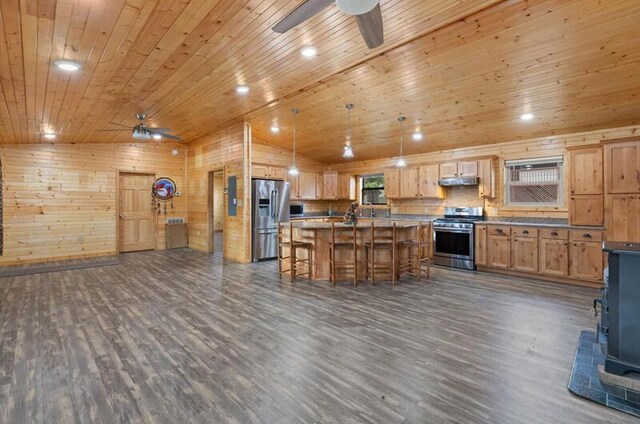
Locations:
column 293, row 169
column 356, row 7
column 348, row 150
column 400, row 162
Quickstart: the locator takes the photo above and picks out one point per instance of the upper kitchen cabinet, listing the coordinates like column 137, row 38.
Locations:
column 307, row 185
column 268, row 172
column 428, row 182
column 487, row 175
column 304, row 186
column 409, row 183
column 346, row 186
column 585, row 171
column 330, row 185
column 338, row 186
column 392, row 183
column 622, row 165
column 623, row 217
column 459, row 169
column 586, row 186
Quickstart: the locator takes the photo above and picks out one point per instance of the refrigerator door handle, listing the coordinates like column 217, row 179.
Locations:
column 272, row 200
column 276, row 209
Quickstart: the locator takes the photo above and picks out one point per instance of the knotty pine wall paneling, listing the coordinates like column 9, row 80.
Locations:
column 228, row 149
column 60, row 199
column 521, row 149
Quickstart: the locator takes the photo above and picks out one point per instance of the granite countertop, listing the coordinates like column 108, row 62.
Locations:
column 621, row 247
column 361, row 225
column 490, row 220
column 537, row 222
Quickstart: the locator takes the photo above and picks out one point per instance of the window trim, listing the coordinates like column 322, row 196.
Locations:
column 362, row 189
column 560, row 205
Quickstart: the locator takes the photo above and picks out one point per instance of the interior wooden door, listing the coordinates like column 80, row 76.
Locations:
column 137, row 218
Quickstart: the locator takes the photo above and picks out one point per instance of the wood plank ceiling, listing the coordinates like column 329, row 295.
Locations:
column 462, row 71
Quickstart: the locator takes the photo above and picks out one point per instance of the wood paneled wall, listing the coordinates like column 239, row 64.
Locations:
column 531, row 148
column 263, row 152
column 60, row 199
column 229, row 150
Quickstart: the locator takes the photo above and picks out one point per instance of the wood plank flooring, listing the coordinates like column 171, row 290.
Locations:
column 183, row 337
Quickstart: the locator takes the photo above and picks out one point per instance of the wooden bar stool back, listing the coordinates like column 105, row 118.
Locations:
column 414, row 255
column 343, row 239
column 381, row 240
column 297, row 265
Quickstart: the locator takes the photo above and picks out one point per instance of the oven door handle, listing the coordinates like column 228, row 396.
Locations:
column 447, row 230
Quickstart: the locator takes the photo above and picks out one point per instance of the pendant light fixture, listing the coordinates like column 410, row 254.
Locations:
column 293, row 170
column 348, row 150
column 401, row 163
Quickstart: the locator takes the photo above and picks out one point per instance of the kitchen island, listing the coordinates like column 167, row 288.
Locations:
column 319, row 235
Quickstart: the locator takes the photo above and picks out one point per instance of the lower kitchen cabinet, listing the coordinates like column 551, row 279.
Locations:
column 554, row 257
column 499, row 251
column 585, row 260
column 525, row 254
column 480, row 251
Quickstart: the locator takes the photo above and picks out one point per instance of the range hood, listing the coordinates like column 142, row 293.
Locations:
column 458, row 181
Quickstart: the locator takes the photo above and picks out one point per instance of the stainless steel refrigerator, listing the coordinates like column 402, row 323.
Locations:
column 270, row 205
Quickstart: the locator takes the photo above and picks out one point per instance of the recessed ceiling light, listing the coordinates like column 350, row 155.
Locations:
column 67, row 65
column 49, row 136
column 526, row 116
column 242, row 89
column 275, row 129
column 175, row 152
column 157, row 136
column 309, row 51
column 417, row 136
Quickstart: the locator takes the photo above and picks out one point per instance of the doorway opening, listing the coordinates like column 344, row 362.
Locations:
column 216, row 211
column 136, row 218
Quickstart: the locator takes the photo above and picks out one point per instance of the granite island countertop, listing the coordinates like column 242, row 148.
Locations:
column 384, row 223
column 491, row 220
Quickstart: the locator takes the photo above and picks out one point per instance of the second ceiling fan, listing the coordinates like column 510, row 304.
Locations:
column 367, row 13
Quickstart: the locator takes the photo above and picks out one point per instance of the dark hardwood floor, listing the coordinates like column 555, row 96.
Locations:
column 181, row 337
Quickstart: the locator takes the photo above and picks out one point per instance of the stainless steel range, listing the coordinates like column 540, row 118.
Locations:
column 453, row 237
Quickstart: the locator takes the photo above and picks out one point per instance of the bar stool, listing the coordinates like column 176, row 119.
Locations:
column 343, row 239
column 297, row 266
column 377, row 243
column 414, row 254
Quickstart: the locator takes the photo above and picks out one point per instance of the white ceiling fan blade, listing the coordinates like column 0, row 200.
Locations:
column 300, row 14
column 371, row 27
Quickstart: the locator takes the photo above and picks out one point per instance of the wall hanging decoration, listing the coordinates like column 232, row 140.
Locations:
column 164, row 189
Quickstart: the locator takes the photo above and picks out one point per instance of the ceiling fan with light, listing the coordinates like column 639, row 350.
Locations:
column 142, row 132
column 367, row 13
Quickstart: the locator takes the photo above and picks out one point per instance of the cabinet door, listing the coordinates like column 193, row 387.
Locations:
column 428, row 182
column 487, row 187
column 409, row 183
column 319, row 185
column 392, row 183
column 330, row 185
column 554, row 257
column 525, row 254
column 293, row 180
column 586, row 209
column 449, row 170
column 499, row 251
column 307, row 185
column 480, row 251
column 623, row 218
column 622, row 163
column 346, row 187
column 276, row 173
column 468, row 169
column 259, row 171
column 585, row 261
column 585, row 171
